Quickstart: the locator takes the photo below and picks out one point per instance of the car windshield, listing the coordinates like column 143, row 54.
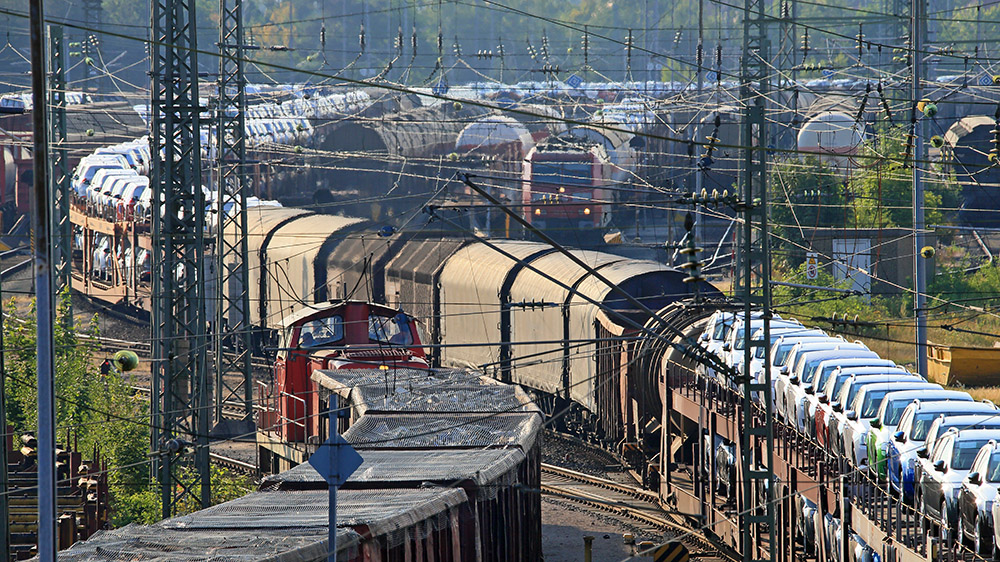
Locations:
column 873, row 399
column 894, row 410
column 738, row 344
column 722, row 329
column 810, row 370
column 922, row 424
column 824, row 375
column 993, row 468
column 834, row 385
column 759, row 353
column 782, row 354
column 852, row 394
column 965, row 453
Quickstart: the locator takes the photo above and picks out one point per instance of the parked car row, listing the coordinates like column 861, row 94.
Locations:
column 937, row 448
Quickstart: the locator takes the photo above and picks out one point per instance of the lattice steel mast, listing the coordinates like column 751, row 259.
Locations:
column 231, row 326
column 59, row 171
column 787, row 129
column 180, row 393
column 753, row 285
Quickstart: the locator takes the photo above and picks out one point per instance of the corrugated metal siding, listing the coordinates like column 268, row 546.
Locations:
column 349, row 265
column 410, row 278
column 471, row 282
column 547, row 323
column 291, row 256
column 583, row 316
column 260, row 222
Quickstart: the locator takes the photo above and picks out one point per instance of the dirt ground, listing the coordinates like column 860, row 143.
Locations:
column 565, row 524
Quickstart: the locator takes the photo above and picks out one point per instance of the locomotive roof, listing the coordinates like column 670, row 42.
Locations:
column 567, row 143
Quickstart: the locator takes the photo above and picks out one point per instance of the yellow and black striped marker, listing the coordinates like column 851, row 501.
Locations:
column 671, row 552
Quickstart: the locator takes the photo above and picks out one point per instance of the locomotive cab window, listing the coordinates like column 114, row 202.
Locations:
column 394, row 330
column 322, row 331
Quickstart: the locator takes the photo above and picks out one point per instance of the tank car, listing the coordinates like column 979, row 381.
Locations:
column 834, row 137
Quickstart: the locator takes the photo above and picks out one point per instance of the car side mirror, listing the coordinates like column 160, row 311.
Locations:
column 822, row 398
column 975, row 478
column 783, row 370
column 939, row 466
column 876, row 423
column 704, row 336
column 851, row 415
column 899, row 436
column 726, row 346
column 810, row 390
column 922, row 452
column 836, row 407
column 793, row 380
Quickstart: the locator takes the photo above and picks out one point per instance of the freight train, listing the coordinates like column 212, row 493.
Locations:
column 467, row 292
column 630, row 376
column 451, row 461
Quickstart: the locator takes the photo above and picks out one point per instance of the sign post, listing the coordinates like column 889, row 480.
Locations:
column 812, row 265
column 335, row 460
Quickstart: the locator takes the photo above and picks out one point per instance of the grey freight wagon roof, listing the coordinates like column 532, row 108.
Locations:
column 382, row 511
column 408, row 431
column 155, row 543
column 446, row 467
column 272, row 526
column 413, row 390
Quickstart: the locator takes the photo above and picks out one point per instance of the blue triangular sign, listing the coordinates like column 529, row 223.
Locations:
column 335, row 460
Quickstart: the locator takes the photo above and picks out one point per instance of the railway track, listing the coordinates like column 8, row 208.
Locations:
column 233, row 464
column 638, row 506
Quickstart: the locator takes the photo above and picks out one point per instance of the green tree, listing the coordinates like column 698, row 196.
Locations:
column 805, row 195
column 99, row 412
column 883, row 186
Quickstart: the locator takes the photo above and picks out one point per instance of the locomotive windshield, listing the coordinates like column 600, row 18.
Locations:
column 393, row 330
column 322, row 331
column 561, row 173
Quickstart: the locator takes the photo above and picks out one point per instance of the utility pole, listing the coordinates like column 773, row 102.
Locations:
column 180, row 391
column 231, row 323
column 918, row 30
column 787, row 129
column 752, row 283
column 91, row 45
column 699, row 180
column 44, row 360
column 4, row 477
column 62, row 229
